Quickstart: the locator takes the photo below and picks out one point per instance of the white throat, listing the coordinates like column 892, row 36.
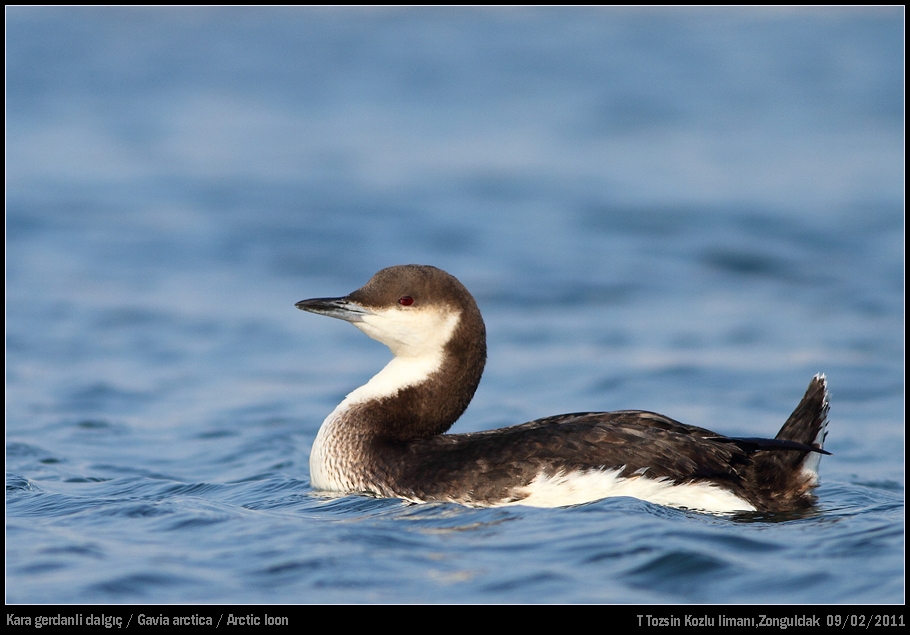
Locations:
column 418, row 339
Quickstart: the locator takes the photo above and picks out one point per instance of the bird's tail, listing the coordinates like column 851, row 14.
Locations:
column 807, row 425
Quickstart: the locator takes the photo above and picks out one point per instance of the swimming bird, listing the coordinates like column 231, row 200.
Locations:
column 387, row 438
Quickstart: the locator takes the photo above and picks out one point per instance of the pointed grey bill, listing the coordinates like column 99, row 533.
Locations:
column 340, row 308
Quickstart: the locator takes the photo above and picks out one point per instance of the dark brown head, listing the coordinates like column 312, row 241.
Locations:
column 432, row 325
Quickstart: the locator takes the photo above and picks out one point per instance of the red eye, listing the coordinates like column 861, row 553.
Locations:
column 405, row 300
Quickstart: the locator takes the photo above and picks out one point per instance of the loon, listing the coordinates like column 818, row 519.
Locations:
column 387, row 438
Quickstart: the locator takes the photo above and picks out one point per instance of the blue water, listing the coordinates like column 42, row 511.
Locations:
column 688, row 211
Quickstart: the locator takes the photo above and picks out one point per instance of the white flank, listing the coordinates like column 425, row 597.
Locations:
column 575, row 488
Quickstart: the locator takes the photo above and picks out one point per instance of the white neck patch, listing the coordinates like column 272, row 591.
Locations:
column 417, row 338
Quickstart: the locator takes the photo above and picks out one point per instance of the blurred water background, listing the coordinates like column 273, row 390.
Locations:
column 691, row 211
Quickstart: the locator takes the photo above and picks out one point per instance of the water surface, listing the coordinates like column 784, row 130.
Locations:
column 687, row 211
